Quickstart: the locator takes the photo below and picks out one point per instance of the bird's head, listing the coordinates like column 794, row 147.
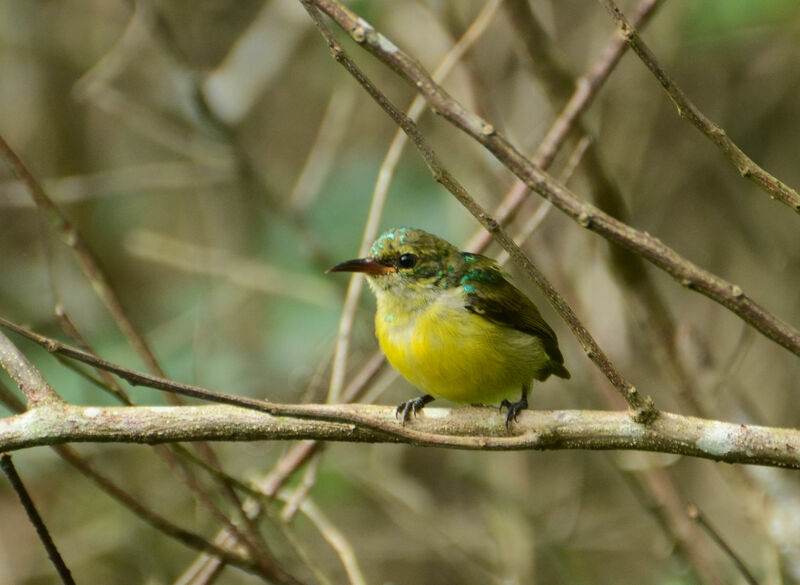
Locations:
column 407, row 261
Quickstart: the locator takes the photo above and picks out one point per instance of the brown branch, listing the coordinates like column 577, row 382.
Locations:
column 469, row 428
column 657, row 492
column 33, row 385
column 688, row 111
column 696, row 515
column 28, row 379
column 642, row 408
column 7, row 465
column 186, row 537
column 585, row 214
column 89, row 263
column 247, row 534
column 160, row 523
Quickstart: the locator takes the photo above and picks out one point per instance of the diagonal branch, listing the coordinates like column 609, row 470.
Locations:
column 585, row 214
column 36, row 519
column 28, row 379
column 89, row 263
column 688, row 111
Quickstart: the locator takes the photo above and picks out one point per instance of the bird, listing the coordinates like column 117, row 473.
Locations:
column 453, row 325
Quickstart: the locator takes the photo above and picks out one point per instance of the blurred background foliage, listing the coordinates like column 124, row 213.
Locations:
column 218, row 160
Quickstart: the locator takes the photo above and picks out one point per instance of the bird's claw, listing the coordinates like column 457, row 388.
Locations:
column 404, row 409
column 514, row 408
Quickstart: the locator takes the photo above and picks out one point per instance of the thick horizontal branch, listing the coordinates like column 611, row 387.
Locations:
column 585, row 214
column 472, row 428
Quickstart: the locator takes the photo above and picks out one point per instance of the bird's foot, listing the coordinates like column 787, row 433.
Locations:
column 411, row 406
column 514, row 408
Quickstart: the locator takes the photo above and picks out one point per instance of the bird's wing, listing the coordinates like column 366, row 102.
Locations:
column 502, row 303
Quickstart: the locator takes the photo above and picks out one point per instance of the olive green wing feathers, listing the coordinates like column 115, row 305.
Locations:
column 501, row 302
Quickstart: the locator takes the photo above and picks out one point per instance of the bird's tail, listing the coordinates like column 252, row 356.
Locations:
column 559, row 370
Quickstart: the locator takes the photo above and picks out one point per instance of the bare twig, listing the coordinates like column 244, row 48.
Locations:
column 247, row 533
column 28, row 379
column 186, row 537
column 267, row 566
column 332, row 534
column 536, row 218
column 695, row 514
column 558, row 85
column 322, row 154
column 688, row 111
column 33, row 515
column 585, row 214
column 294, row 502
column 128, row 181
column 109, row 383
column 659, row 494
column 91, row 267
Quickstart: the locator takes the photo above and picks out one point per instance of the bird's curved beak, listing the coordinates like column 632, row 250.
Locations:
column 368, row 266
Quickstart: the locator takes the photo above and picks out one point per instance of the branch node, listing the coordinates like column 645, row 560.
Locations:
column 645, row 414
column 359, row 33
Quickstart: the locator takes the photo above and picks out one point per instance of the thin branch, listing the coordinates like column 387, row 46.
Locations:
column 330, row 533
column 696, row 515
column 585, row 214
column 100, row 283
column 107, row 382
column 642, row 408
column 132, row 376
column 264, row 566
column 248, row 534
column 28, row 379
column 93, row 271
column 688, row 111
column 89, row 263
column 294, row 502
column 185, row 537
column 656, row 490
column 33, row 515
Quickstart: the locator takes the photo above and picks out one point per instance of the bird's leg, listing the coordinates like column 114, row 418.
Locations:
column 411, row 406
column 514, row 408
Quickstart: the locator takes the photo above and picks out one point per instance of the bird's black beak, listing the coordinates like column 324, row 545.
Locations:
column 368, row 266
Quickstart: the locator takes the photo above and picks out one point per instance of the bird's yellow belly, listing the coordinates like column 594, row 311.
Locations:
column 452, row 353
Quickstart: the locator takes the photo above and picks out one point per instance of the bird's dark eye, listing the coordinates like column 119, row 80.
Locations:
column 407, row 261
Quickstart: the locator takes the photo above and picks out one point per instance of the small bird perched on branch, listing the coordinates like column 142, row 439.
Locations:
column 452, row 325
